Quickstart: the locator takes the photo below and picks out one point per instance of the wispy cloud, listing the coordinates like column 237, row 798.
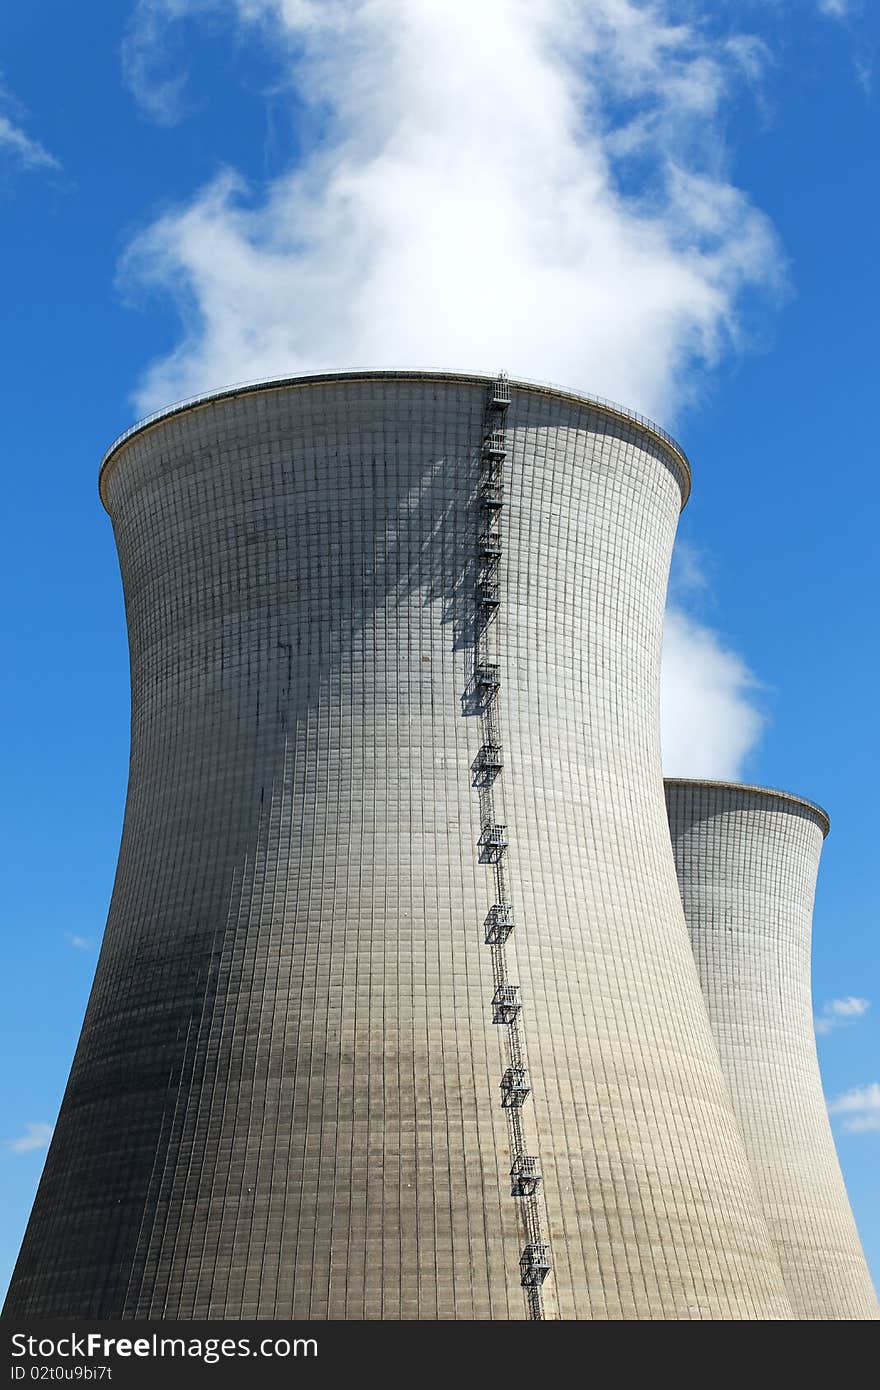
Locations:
column 841, row 1013
column 860, row 1108
column 16, row 144
column 82, row 943
column 36, row 1136
column 535, row 183
column 863, row 66
column 849, row 12
column 154, row 68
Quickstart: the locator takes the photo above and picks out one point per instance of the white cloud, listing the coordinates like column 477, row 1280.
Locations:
column 709, row 723
column 839, row 1013
column 36, row 1136
column 850, row 1007
column 862, row 48
column 153, row 68
column 22, row 147
column 861, row 1108
column 82, row 943
column 863, row 67
column 534, row 184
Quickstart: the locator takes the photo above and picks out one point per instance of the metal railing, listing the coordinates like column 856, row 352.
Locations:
column 393, row 374
column 514, row 1087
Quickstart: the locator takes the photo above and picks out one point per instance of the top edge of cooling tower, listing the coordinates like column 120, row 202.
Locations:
column 772, row 794
column 330, row 378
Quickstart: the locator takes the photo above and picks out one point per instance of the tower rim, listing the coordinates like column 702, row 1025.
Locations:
column 245, row 388
column 772, row 793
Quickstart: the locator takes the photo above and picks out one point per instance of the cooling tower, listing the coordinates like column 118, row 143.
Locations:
column 396, row 1013
column 747, row 861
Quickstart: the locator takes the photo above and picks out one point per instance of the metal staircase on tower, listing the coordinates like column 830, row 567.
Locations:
column 493, row 845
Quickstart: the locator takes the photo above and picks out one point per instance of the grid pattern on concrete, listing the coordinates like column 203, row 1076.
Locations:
column 284, row 1099
column 747, row 862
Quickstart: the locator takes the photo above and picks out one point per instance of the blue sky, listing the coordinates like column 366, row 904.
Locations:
column 199, row 191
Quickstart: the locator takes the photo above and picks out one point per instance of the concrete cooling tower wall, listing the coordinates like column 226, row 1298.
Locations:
column 747, row 861
column 396, row 1014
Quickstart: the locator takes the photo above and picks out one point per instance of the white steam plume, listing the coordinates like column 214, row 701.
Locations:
column 534, row 184
column 528, row 183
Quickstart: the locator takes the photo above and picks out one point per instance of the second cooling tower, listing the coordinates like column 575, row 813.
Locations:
column 747, row 860
column 396, row 1008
